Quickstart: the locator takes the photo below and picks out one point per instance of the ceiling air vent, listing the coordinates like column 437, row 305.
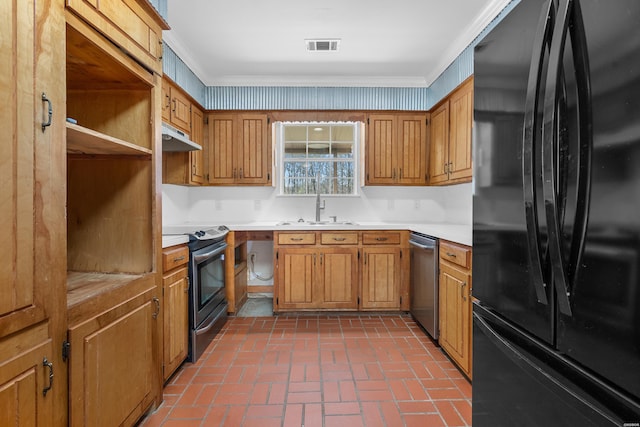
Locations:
column 322, row 45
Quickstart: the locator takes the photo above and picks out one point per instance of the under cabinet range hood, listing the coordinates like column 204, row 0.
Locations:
column 176, row 140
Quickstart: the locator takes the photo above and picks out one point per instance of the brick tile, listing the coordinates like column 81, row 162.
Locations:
column 188, row 412
column 372, row 385
column 380, row 395
column 431, row 420
column 343, row 421
column 313, row 415
column 417, row 407
column 342, row 408
column 445, row 393
column 182, row 423
column 359, row 371
column 293, row 415
column 262, row 422
column 306, row 386
column 312, row 373
column 373, row 371
column 465, row 387
column 264, row 411
column 305, row 397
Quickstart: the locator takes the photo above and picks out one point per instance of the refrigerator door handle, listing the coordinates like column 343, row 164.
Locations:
column 585, row 138
column 529, row 168
column 550, row 138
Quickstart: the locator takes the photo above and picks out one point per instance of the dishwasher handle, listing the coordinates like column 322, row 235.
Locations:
column 430, row 245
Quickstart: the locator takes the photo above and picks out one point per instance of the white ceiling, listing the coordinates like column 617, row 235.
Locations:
column 401, row 43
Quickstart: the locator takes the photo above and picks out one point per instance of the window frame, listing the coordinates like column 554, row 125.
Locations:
column 355, row 160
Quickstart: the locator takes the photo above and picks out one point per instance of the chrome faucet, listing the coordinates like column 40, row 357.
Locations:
column 319, row 206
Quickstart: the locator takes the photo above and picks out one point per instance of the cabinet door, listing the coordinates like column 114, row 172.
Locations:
column 455, row 315
column 196, row 158
column 381, row 152
column 461, row 122
column 32, row 212
column 221, row 156
column 381, row 278
column 412, row 148
column 180, row 110
column 176, row 320
column 254, row 150
column 439, row 145
column 113, row 363
column 339, row 278
column 166, row 101
column 297, row 278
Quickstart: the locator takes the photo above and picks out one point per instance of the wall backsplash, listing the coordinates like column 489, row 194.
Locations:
column 235, row 205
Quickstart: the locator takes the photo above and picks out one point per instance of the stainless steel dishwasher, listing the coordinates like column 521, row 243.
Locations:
column 424, row 282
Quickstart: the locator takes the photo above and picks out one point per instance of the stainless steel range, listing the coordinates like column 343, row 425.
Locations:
column 207, row 301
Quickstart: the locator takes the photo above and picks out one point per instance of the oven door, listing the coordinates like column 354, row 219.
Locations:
column 207, row 266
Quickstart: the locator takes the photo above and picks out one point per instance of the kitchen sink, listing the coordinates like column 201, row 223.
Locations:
column 327, row 224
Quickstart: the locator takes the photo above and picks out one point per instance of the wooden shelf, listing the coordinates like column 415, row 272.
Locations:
column 85, row 286
column 81, row 140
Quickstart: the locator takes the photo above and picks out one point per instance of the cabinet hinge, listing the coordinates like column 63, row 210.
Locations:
column 206, row 120
column 400, row 253
column 367, row 177
column 268, row 177
column 277, row 254
column 358, row 254
column 401, row 300
column 66, row 348
column 277, row 301
column 358, row 300
column 367, row 120
column 268, row 120
column 426, row 121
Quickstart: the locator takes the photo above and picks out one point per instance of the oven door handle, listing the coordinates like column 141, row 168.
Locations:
column 217, row 250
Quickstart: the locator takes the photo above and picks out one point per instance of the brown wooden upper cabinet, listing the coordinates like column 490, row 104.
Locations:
column 450, row 144
column 176, row 107
column 239, row 149
column 133, row 24
column 396, row 152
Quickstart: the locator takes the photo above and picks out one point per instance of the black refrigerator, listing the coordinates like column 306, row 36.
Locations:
column 556, row 216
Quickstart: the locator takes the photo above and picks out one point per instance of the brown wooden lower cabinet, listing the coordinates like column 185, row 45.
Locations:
column 339, row 270
column 175, row 284
column 455, row 304
column 113, row 363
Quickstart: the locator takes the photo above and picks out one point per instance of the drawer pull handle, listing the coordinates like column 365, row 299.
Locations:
column 382, row 239
column 180, row 258
column 47, row 364
column 464, row 297
column 450, row 254
column 49, row 111
column 155, row 314
column 339, row 239
column 296, row 239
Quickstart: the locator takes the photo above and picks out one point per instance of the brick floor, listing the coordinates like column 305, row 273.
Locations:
column 318, row 370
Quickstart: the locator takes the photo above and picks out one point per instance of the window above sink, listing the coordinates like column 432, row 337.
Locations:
column 312, row 154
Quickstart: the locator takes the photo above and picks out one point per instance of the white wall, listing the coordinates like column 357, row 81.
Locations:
column 236, row 205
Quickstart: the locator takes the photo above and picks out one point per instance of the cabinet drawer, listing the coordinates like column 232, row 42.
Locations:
column 457, row 254
column 339, row 238
column 381, row 238
column 174, row 257
column 297, row 238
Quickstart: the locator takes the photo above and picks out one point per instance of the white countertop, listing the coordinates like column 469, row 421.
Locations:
column 453, row 232
column 174, row 239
